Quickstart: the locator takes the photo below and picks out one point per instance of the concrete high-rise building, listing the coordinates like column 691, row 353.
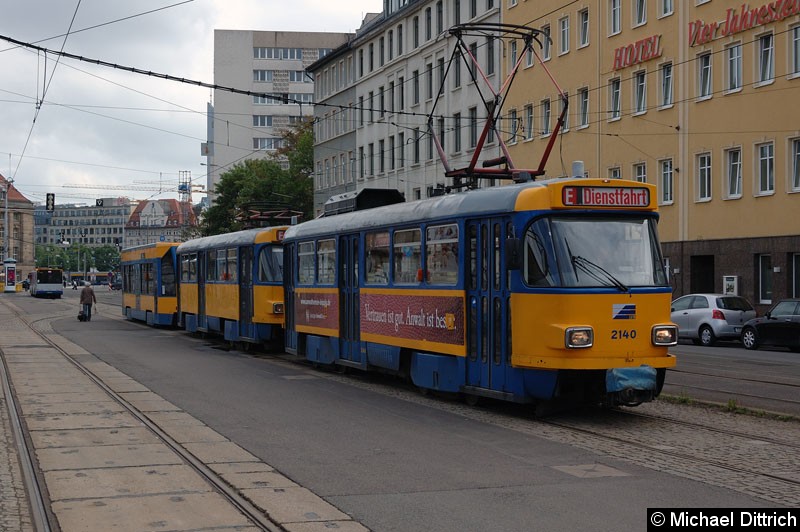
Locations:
column 272, row 65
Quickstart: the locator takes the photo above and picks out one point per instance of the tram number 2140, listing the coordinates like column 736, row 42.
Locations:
column 623, row 334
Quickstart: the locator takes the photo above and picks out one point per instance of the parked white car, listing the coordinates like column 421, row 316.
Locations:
column 706, row 318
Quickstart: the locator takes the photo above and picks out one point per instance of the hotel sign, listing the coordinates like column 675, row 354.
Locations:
column 742, row 19
column 638, row 52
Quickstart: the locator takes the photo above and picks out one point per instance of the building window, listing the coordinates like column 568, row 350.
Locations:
column 473, row 51
column 640, row 92
column 513, row 54
column 640, row 12
column 666, row 84
column 583, row 29
column 796, row 275
column 666, row 183
column 795, row 164
column 429, row 79
column 614, row 99
column 795, row 53
column 640, row 172
column 371, row 155
column 766, row 168
column 545, row 117
column 565, row 125
column 381, row 156
column 512, row 123
column 765, row 279
column 440, row 67
column 391, row 152
column 614, row 173
column 416, row 145
column 615, row 16
column 734, row 62
column 415, row 86
column 457, row 11
column 428, row 24
column 473, row 127
column 733, row 166
column 457, row 132
column 704, row 76
column 583, row 107
column 489, row 56
column 529, row 121
column 400, row 40
column 667, row 7
column 563, row 35
column 415, row 26
column 439, row 17
column 371, row 57
column 704, row 177
column 766, row 59
column 546, row 43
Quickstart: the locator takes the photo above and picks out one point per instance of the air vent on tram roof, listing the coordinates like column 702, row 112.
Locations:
column 366, row 198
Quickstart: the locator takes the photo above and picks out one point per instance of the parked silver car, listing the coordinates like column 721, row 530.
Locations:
column 706, row 318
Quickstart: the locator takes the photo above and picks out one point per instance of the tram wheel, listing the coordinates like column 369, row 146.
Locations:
column 472, row 399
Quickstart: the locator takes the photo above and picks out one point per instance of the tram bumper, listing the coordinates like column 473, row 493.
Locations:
column 632, row 386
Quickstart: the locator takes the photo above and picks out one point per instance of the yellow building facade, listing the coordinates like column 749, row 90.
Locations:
column 700, row 98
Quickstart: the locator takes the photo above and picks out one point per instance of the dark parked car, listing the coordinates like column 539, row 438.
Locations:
column 706, row 318
column 116, row 285
column 780, row 326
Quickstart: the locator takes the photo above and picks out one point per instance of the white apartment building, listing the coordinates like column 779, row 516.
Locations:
column 384, row 83
column 242, row 126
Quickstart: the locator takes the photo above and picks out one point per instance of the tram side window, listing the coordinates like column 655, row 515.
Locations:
column 211, row 265
column 441, row 252
column 407, row 256
column 231, row 266
column 326, row 262
column 305, row 263
column 377, row 249
column 270, row 265
column 189, row 267
column 167, row 276
column 148, row 279
column 536, row 268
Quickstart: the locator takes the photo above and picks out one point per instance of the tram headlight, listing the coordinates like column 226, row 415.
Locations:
column 665, row 335
column 579, row 337
column 277, row 308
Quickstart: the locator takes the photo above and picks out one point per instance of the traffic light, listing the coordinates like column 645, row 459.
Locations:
column 50, row 204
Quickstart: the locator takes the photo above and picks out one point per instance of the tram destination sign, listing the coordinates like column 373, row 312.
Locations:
column 605, row 197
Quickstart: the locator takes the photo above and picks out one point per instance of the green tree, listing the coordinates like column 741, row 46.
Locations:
column 264, row 185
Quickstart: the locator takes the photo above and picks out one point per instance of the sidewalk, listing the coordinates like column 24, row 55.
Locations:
column 104, row 469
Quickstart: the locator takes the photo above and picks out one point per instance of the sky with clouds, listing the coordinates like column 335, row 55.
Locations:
column 68, row 125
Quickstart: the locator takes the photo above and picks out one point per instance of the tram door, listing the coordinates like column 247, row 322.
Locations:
column 349, row 302
column 290, row 335
column 487, row 304
column 201, row 290
column 246, row 292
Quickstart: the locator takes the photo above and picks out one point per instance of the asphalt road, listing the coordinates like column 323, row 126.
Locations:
column 388, row 457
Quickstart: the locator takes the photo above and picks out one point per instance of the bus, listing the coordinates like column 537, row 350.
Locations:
column 47, row 282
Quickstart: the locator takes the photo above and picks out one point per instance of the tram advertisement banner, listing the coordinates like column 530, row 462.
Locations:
column 317, row 310
column 416, row 316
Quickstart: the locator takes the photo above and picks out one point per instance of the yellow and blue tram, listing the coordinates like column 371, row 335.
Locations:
column 539, row 291
column 149, row 285
column 232, row 285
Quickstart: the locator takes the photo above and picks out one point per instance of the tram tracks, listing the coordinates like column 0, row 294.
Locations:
column 34, row 485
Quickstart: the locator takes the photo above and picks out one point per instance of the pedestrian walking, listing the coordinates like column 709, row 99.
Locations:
column 87, row 298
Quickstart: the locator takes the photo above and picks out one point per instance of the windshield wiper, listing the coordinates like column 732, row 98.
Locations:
column 592, row 269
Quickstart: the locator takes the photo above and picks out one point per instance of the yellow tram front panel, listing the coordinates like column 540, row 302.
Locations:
column 621, row 324
column 597, row 194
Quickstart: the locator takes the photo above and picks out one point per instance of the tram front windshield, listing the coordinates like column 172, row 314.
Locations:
column 618, row 252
